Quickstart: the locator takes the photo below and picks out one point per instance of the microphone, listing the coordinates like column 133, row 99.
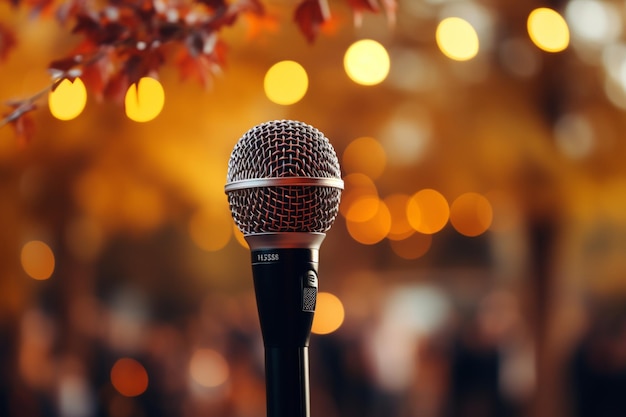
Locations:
column 284, row 186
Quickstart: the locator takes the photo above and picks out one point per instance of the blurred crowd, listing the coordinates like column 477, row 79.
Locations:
column 403, row 350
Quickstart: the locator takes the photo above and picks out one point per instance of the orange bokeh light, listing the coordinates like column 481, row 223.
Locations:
column 413, row 247
column 471, row 214
column 129, row 377
column 329, row 314
column 428, row 211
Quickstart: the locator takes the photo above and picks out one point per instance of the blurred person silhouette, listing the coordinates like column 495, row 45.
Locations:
column 598, row 366
column 480, row 354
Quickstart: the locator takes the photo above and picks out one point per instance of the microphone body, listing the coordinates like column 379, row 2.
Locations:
column 285, row 283
column 283, row 188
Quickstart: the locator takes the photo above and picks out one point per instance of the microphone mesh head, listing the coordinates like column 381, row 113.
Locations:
column 283, row 149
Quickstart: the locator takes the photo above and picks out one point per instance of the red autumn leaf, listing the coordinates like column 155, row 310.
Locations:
column 7, row 41
column 310, row 15
column 214, row 4
column 115, row 89
column 69, row 9
column 236, row 9
column 64, row 64
column 201, row 67
column 96, row 76
column 197, row 68
column 142, row 64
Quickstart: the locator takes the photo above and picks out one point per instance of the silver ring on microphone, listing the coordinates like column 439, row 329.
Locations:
column 284, row 181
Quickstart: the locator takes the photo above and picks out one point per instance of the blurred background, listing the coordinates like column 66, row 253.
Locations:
column 477, row 267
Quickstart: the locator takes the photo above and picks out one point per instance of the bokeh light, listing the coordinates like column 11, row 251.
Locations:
column 211, row 228
column 367, row 62
column 593, row 21
column 548, row 29
column 363, row 208
column 408, row 134
column 129, row 377
column 208, row 368
column 574, row 135
column 356, row 186
column 68, row 100
column 457, row 39
column 37, row 260
column 84, row 238
column 365, row 155
column 286, row 82
column 400, row 227
column 428, row 211
column 329, row 313
column 373, row 229
column 413, row 247
column 519, row 57
column 471, row 214
column 144, row 100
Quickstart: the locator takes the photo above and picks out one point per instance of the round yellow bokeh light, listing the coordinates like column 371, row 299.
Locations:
column 367, row 62
column 68, row 100
column 457, row 39
column 286, row 82
column 144, row 100
column 548, row 30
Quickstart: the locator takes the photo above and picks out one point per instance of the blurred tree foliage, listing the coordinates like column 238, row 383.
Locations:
column 122, row 41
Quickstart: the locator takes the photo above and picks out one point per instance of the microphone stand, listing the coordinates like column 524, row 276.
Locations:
column 285, row 282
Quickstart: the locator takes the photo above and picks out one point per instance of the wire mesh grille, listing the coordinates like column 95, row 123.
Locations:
column 279, row 149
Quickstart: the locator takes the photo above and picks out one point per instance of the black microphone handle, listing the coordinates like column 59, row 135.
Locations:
column 285, row 283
